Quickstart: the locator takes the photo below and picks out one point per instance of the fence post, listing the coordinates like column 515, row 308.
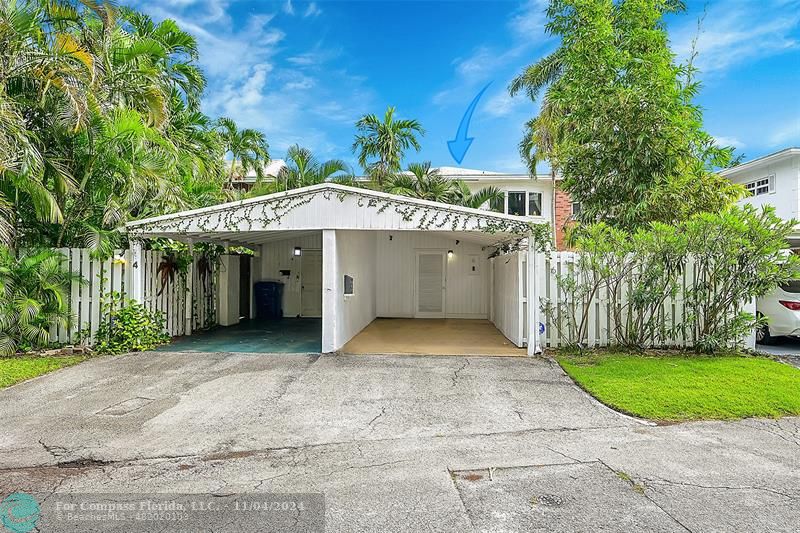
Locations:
column 136, row 290
column 188, row 297
column 534, row 345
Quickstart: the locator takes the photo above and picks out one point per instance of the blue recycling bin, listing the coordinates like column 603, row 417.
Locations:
column 269, row 299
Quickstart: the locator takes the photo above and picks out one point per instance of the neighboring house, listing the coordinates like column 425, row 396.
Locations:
column 523, row 195
column 773, row 180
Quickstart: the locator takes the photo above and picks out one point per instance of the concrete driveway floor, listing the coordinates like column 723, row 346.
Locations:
column 447, row 444
column 787, row 349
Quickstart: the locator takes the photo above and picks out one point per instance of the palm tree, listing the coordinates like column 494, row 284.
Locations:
column 386, row 141
column 539, row 135
column 422, row 181
column 35, row 294
column 302, row 169
column 248, row 148
column 35, row 71
column 463, row 196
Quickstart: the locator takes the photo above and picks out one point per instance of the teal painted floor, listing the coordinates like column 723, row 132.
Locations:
column 287, row 335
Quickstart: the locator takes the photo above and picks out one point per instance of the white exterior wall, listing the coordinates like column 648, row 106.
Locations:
column 355, row 257
column 466, row 293
column 506, row 290
column 279, row 255
column 786, row 196
column 542, row 185
column 229, row 290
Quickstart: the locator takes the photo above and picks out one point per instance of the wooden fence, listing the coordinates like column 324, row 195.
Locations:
column 101, row 278
column 601, row 322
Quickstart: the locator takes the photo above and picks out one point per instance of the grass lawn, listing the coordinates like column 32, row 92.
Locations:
column 680, row 387
column 16, row 369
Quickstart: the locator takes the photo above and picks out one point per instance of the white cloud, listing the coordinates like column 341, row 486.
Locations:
column 288, row 8
column 736, row 32
column 723, row 140
column 787, row 134
column 253, row 79
column 312, row 10
column 527, row 30
column 501, row 104
column 529, row 21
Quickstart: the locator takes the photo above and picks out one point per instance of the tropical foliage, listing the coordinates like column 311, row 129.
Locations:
column 35, row 288
column 129, row 327
column 302, row 169
column 730, row 258
column 100, row 123
column 382, row 144
column 618, row 120
column 248, row 149
column 424, row 182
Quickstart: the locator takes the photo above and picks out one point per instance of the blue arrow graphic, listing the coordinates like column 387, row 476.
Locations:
column 458, row 147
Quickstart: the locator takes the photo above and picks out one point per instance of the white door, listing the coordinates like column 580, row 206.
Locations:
column 311, row 283
column 430, row 289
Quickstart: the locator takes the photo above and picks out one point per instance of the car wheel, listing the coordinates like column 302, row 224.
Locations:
column 763, row 336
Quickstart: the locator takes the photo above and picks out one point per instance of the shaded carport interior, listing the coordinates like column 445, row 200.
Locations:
column 359, row 245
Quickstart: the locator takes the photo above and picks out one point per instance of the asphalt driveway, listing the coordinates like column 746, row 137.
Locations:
column 395, row 444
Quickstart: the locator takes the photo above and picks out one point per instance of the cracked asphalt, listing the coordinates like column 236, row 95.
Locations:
column 446, row 444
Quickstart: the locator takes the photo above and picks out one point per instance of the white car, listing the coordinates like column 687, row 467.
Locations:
column 782, row 309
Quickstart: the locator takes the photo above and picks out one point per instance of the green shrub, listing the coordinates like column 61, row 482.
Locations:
column 729, row 259
column 128, row 326
column 737, row 255
column 34, row 296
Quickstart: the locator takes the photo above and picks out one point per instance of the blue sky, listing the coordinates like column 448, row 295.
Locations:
column 303, row 72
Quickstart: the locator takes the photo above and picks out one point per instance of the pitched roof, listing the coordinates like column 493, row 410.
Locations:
column 760, row 161
column 328, row 206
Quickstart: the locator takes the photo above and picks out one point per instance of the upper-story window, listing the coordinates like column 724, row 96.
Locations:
column 516, row 203
column 521, row 203
column 760, row 186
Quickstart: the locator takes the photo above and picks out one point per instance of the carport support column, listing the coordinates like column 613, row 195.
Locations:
column 534, row 345
column 188, row 299
column 330, row 291
column 136, row 290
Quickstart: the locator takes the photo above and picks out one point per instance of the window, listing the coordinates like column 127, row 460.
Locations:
column 576, row 209
column 534, row 204
column 498, row 204
column 520, row 203
column 349, row 289
column 516, row 203
column 793, row 286
column 760, row 186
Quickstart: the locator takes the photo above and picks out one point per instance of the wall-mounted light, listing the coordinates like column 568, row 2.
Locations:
column 298, row 251
column 449, row 253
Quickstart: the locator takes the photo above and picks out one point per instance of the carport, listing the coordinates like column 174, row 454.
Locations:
column 354, row 258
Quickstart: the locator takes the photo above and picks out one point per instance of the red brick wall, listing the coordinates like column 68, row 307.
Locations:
column 563, row 213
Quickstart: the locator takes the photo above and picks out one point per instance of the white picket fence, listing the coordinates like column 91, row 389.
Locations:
column 600, row 317
column 101, row 278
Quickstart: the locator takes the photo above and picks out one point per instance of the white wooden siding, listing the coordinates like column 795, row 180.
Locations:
column 466, row 292
column 507, row 286
column 354, row 256
column 318, row 209
column 279, row 255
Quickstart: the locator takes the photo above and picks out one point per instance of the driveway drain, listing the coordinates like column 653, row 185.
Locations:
column 549, row 500
column 125, row 407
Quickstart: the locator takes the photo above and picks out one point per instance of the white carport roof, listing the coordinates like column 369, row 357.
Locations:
column 330, row 206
